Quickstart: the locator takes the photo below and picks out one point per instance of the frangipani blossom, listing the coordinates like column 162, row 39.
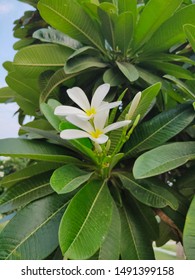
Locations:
column 96, row 133
column 87, row 110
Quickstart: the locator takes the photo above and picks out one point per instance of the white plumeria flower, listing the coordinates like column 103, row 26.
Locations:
column 88, row 110
column 96, row 133
column 134, row 105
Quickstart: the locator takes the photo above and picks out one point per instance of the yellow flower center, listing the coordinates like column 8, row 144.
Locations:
column 96, row 133
column 91, row 111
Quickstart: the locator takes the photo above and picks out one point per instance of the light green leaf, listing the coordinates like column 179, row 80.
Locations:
column 33, row 60
column 27, row 172
column 148, row 193
column 35, row 149
column 34, row 240
column 6, row 95
column 110, row 248
column 154, row 14
column 163, row 159
column 189, row 232
column 128, row 6
column 24, row 192
column 51, row 35
column 166, row 37
column 67, row 178
column 82, row 229
column 190, row 33
column 62, row 16
column 129, row 70
column 158, row 130
column 48, row 111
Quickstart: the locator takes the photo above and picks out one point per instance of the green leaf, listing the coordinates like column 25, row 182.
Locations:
column 123, row 29
column 163, row 159
column 148, row 193
column 57, row 78
column 158, row 130
column 6, row 94
column 135, row 244
column 110, row 248
column 32, row 234
column 67, row 178
column 189, row 232
column 114, row 77
column 128, row 6
column 48, row 111
column 78, row 64
column 70, row 18
column 190, row 33
column 107, row 13
column 166, row 37
column 82, row 229
column 24, row 192
column 26, row 88
column 145, row 104
column 154, row 14
column 51, row 35
column 129, row 70
column 35, row 149
column 33, row 60
column 27, row 172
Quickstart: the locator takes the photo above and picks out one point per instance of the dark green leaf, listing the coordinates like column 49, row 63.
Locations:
column 129, row 70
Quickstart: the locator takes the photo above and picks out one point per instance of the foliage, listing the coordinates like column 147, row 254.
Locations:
column 101, row 200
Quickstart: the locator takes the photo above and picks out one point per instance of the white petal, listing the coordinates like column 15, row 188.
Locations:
column 99, row 95
column 85, row 125
column 116, row 125
column 100, row 119
column 69, row 134
column 68, row 110
column 100, row 140
column 79, row 97
column 109, row 105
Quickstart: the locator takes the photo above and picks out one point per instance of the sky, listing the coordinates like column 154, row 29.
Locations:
column 10, row 10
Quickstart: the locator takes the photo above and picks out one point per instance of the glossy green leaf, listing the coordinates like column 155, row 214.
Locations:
column 189, row 232
column 33, row 60
column 48, row 111
column 62, row 16
column 163, row 159
column 33, row 232
column 158, row 130
column 148, row 193
column 124, row 28
column 82, row 229
column 67, row 178
column 190, row 33
column 128, row 6
column 154, row 14
column 35, row 149
column 135, row 244
column 27, row 172
column 114, row 77
column 166, row 37
column 51, row 35
column 129, row 70
column 24, row 192
column 110, row 248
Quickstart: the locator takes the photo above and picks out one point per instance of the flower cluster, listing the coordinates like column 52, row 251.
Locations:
column 91, row 119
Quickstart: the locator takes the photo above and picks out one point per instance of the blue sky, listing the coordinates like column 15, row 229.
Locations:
column 10, row 10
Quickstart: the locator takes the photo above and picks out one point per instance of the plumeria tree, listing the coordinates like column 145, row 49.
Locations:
column 110, row 87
